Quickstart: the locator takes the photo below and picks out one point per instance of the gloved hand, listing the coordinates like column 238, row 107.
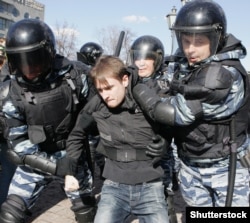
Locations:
column 133, row 72
column 176, row 87
column 157, row 148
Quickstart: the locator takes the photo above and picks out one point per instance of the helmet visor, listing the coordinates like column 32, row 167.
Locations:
column 31, row 64
column 142, row 55
column 198, row 39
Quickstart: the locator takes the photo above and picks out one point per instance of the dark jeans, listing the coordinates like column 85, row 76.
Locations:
column 6, row 174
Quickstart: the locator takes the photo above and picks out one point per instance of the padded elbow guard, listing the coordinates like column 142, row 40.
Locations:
column 150, row 102
column 146, row 98
column 164, row 113
column 34, row 161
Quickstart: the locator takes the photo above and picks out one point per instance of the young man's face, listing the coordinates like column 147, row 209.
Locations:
column 145, row 67
column 113, row 92
column 196, row 47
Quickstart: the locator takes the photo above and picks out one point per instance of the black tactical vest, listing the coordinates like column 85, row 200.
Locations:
column 50, row 111
column 211, row 139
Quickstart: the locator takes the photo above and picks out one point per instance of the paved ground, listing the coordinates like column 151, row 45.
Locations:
column 54, row 207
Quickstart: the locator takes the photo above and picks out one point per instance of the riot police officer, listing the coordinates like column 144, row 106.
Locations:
column 208, row 107
column 89, row 53
column 40, row 107
column 147, row 54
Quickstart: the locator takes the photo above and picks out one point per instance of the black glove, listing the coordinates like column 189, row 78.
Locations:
column 157, row 149
column 134, row 77
column 176, row 87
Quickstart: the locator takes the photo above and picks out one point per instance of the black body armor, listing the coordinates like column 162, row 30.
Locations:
column 59, row 102
column 211, row 139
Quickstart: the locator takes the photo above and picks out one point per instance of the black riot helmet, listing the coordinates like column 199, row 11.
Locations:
column 202, row 17
column 148, row 47
column 89, row 53
column 30, row 49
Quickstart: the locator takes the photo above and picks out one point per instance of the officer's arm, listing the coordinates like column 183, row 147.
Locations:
column 40, row 163
column 64, row 166
column 150, row 102
column 212, row 86
column 35, row 161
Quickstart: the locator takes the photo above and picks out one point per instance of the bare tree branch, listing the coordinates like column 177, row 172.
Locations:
column 66, row 38
column 109, row 38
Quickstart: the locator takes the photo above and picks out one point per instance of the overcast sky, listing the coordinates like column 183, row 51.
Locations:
column 142, row 17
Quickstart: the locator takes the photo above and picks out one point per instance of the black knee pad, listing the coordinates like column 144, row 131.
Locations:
column 13, row 210
column 84, row 209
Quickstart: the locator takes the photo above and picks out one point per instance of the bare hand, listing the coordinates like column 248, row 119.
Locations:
column 71, row 183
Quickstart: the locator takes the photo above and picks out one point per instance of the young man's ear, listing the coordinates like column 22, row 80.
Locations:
column 125, row 80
